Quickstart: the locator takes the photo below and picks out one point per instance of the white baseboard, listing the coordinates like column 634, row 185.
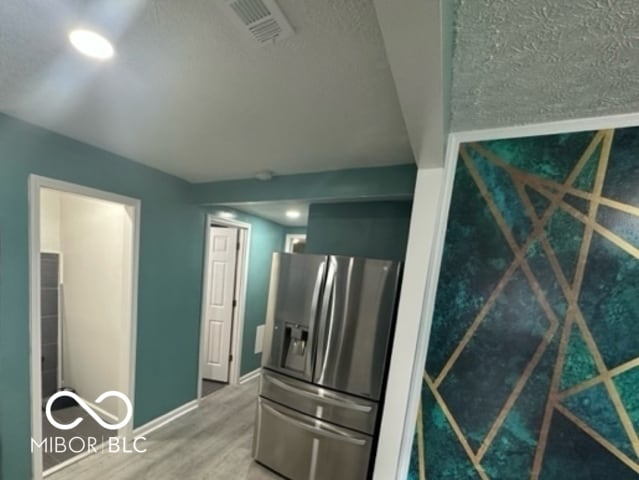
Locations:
column 165, row 419
column 250, row 376
column 71, row 461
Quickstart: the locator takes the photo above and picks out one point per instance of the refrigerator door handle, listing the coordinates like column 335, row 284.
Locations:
column 341, row 436
column 319, row 280
column 325, row 320
column 316, row 290
column 328, row 400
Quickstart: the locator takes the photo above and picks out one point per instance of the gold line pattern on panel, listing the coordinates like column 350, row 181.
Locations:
column 541, row 298
column 598, row 379
column 555, row 193
column 603, row 231
column 573, row 294
column 455, row 427
column 602, row 441
column 519, row 254
column 421, row 454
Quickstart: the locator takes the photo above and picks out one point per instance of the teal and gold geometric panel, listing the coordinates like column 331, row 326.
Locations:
column 533, row 362
column 542, row 268
column 609, row 300
column 622, row 175
column 565, row 233
column 579, row 366
column 579, row 203
column 574, row 454
column 549, row 157
column 586, row 178
column 594, row 407
column 623, row 224
column 626, row 383
column 505, row 196
column 513, row 449
column 538, row 201
column 489, row 366
column 459, row 299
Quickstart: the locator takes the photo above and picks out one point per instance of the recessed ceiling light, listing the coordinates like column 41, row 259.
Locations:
column 292, row 214
column 91, row 44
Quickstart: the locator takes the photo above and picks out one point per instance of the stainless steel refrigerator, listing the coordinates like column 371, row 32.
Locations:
column 326, row 347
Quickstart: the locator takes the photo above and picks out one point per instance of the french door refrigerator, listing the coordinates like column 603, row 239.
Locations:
column 326, row 346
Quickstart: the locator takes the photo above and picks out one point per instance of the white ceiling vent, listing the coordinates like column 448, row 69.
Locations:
column 262, row 20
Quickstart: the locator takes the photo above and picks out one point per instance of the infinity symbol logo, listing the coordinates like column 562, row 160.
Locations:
column 89, row 410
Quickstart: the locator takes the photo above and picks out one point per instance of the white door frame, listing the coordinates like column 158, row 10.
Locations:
column 237, row 328
column 412, row 335
column 290, row 240
column 36, row 183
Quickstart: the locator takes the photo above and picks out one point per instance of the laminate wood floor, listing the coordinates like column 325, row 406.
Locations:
column 210, row 443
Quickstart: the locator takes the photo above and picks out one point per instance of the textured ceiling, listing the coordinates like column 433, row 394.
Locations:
column 528, row 61
column 187, row 93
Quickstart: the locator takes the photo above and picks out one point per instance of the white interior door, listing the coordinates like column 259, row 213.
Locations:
column 219, row 303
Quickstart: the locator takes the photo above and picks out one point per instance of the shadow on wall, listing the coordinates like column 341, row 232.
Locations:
column 533, row 363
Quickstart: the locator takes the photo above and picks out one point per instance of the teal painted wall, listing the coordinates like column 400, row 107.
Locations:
column 388, row 182
column 171, row 247
column 365, row 229
column 533, row 361
column 266, row 237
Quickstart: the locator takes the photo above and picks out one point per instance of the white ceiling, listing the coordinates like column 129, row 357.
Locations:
column 530, row 61
column 276, row 211
column 187, row 93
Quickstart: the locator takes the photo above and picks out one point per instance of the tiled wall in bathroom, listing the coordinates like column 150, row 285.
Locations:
column 50, row 267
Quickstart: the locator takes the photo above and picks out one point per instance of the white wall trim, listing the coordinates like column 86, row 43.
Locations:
column 290, row 239
column 247, row 377
column 161, row 421
column 412, row 326
column 237, row 330
column 547, row 128
column 72, row 460
column 133, row 206
column 428, row 306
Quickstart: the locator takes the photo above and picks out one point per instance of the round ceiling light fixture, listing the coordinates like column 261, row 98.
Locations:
column 91, row 44
column 293, row 214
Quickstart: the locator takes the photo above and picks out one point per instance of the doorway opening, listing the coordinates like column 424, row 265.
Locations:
column 223, row 302
column 83, row 292
column 295, row 243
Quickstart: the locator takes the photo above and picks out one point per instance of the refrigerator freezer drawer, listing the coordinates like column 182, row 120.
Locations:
column 303, row 448
column 324, row 404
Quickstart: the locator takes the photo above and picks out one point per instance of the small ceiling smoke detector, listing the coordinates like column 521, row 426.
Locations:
column 264, row 176
column 262, row 20
column 91, row 44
